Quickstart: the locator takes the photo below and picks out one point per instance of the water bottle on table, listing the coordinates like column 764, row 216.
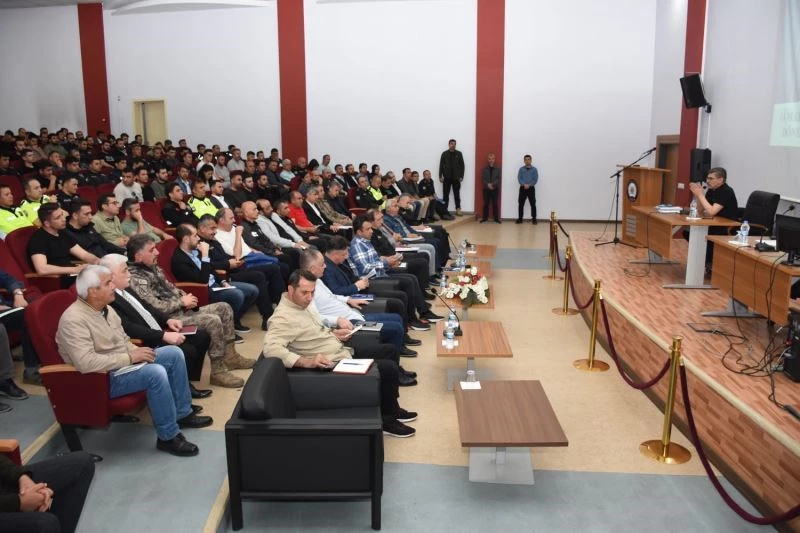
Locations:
column 693, row 208
column 744, row 231
column 442, row 285
column 449, row 339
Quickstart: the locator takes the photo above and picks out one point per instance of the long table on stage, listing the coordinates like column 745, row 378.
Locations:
column 752, row 441
column 753, row 279
column 656, row 232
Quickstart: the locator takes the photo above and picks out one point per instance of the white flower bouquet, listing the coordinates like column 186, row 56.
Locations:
column 468, row 285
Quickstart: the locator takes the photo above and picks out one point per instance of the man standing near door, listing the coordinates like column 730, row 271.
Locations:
column 528, row 177
column 490, row 177
column 451, row 174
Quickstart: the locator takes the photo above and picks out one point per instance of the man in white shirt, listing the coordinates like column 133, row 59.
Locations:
column 286, row 172
column 221, row 172
column 236, row 162
column 128, row 188
column 208, row 159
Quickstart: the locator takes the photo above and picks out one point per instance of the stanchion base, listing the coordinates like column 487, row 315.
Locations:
column 557, row 278
column 569, row 311
column 597, row 366
column 675, row 453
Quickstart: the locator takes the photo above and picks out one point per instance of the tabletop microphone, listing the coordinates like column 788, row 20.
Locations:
column 650, row 151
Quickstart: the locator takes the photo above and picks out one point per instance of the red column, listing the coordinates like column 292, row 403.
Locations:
column 292, row 67
column 693, row 61
column 489, row 89
column 93, row 62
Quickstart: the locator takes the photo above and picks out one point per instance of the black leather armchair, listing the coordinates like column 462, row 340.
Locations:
column 759, row 212
column 305, row 435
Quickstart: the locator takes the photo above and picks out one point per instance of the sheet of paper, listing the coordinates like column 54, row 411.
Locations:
column 470, row 385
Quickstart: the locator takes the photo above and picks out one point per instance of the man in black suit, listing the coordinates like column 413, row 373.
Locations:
column 315, row 216
column 141, row 321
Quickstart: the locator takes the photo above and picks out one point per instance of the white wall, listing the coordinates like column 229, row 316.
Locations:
column 216, row 69
column 42, row 79
column 391, row 82
column 742, row 64
column 578, row 92
column 670, row 48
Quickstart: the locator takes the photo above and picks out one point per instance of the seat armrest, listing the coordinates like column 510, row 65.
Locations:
column 378, row 305
column 385, row 284
column 199, row 290
column 315, row 389
column 44, row 282
column 76, row 398
column 10, row 448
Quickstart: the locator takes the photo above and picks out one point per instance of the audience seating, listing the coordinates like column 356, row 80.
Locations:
column 89, row 193
column 351, row 203
column 16, row 187
column 105, row 188
column 77, row 399
column 151, row 212
column 17, row 242
column 165, row 250
column 305, row 435
column 10, row 448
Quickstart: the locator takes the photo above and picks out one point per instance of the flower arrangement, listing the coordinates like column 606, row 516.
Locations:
column 468, row 285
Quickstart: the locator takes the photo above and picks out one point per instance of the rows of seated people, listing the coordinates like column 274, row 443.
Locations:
column 198, row 238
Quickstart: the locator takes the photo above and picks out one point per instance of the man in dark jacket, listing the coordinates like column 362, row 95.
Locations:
column 490, row 177
column 153, row 328
column 451, row 174
column 81, row 227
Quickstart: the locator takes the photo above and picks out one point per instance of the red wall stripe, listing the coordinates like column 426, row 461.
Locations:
column 292, row 67
column 693, row 62
column 93, row 62
column 489, row 90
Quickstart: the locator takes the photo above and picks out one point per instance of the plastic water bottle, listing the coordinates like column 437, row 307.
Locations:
column 442, row 285
column 693, row 208
column 449, row 339
column 452, row 321
column 744, row 231
column 471, row 376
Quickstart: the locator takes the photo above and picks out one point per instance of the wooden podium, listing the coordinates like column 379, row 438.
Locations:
column 641, row 186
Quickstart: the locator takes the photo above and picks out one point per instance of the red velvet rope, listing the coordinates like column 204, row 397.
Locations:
column 572, row 288
column 613, row 352
column 562, row 228
column 791, row 514
column 558, row 257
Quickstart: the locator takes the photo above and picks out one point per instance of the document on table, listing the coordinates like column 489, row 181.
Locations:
column 353, row 366
column 217, row 289
column 470, row 385
column 406, row 248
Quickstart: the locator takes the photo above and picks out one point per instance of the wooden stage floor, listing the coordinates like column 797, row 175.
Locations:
column 749, row 437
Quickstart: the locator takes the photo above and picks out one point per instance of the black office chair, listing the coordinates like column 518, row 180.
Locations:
column 759, row 213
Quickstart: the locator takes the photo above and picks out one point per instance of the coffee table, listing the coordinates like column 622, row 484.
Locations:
column 499, row 423
column 479, row 339
column 482, row 251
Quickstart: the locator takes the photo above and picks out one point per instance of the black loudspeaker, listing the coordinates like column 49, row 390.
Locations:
column 692, row 89
column 700, row 165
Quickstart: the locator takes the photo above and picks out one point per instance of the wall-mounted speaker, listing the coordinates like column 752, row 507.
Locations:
column 700, row 165
column 692, row 88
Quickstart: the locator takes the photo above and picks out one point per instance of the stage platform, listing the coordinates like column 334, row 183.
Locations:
column 753, row 442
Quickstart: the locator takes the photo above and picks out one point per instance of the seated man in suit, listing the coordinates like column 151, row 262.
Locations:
column 365, row 261
column 44, row 496
column 175, row 211
column 140, row 321
column 393, row 218
column 383, row 240
column 52, row 249
column 313, row 213
column 266, row 277
column 150, row 285
column 254, row 238
column 283, row 236
column 81, row 227
column 300, row 337
column 191, row 263
column 90, row 337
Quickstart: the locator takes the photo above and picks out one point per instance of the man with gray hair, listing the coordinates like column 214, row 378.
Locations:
column 90, row 337
column 149, row 283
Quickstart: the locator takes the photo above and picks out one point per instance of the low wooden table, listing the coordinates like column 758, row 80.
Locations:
column 456, row 303
column 482, row 251
column 499, row 423
column 479, row 339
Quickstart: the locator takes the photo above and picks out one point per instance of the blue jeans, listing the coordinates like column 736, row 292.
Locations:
column 240, row 299
column 167, row 387
column 392, row 331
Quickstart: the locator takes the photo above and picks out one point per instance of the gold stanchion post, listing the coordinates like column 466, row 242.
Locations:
column 590, row 365
column 663, row 450
column 550, row 247
column 553, row 248
column 565, row 309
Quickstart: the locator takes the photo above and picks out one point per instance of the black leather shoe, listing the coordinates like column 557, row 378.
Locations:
column 264, row 325
column 408, row 341
column 198, row 394
column 178, row 445
column 405, row 380
column 194, row 421
column 405, row 352
column 408, row 373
